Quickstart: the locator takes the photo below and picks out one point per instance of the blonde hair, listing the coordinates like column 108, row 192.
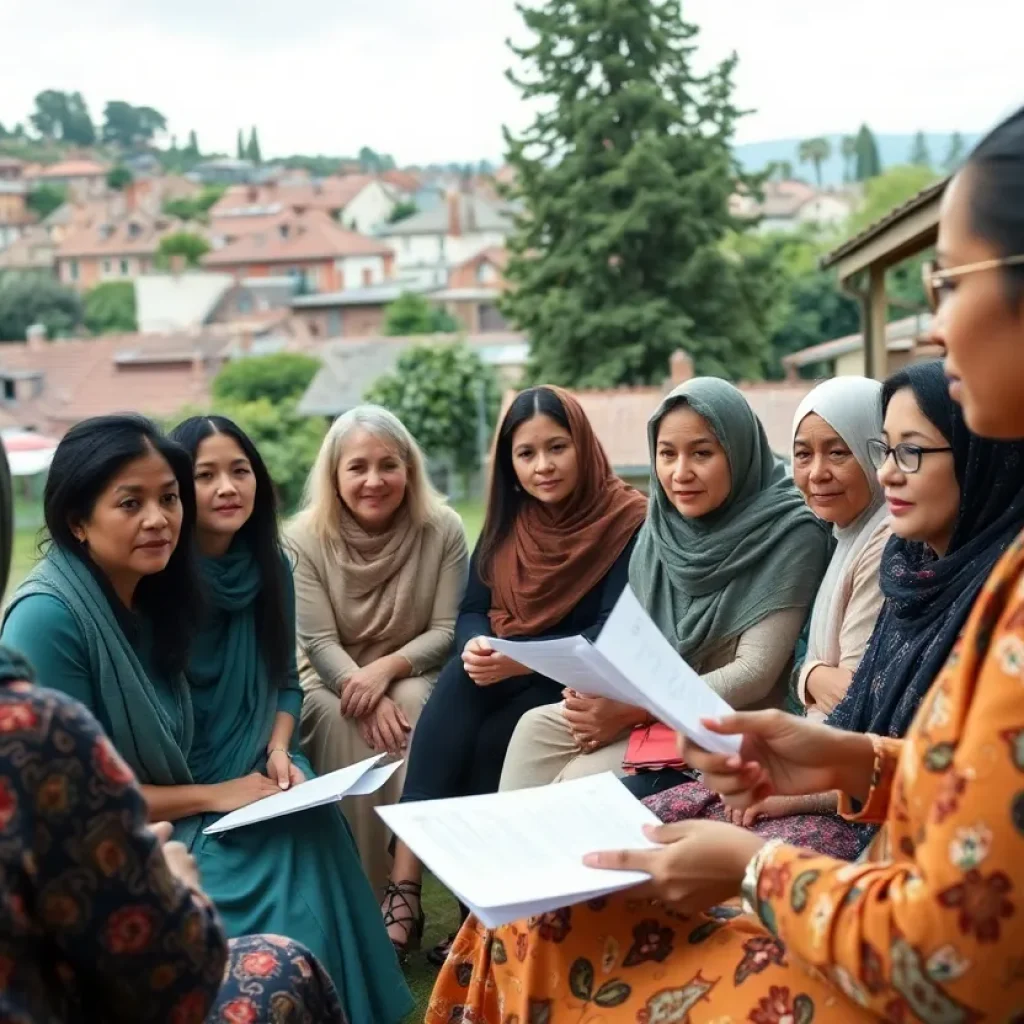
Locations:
column 321, row 502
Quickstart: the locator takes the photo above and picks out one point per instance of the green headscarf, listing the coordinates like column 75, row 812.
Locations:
column 704, row 581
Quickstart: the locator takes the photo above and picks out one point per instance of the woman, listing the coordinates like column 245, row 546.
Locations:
column 103, row 918
column 727, row 565
column 552, row 561
column 929, row 928
column 380, row 570
column 952, row 519
column 301, row 875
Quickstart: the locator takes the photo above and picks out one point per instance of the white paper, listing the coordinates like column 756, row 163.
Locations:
column 632, row 662
column 326, row 789
column 516, row 854
column 374, row 779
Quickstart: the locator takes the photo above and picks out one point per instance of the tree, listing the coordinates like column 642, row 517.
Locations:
column 447, row 398
column 25, row 301
column 276, row 378
column 920, row 154
column 404, row 209
column 240, row 146
column 196, row 208
column 869, row 163
column 625, row 177
column 885, row 192
column 411, row 313
column 110, row 308
column 183, row 243
column 815, row 151
column 119, row 178
column 44, row 199
column 252, row 151
column 129, row 126
column 63, row 117
column 192, row 149
column 955, row 155
column 848, row 150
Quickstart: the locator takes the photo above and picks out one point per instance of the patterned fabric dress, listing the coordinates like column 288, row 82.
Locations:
column 93, row 927
column 933, row 931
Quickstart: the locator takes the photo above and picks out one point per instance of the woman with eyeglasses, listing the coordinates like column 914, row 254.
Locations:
column 929, row 925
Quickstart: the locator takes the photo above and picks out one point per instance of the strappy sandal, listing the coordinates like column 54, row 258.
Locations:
column 398, row 910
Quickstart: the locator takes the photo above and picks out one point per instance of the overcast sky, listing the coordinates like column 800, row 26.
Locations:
column 423, row 79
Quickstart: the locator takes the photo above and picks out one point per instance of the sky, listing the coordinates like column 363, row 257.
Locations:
column 424, row 79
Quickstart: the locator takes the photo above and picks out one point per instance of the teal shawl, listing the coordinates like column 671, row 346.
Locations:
column 235, row 703
column 150, row 726
column 708, row 580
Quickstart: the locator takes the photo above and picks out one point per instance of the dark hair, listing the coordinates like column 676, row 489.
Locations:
column 506, row 496
column 931, row 391
column 261, row 534
column 88, row 457
column 996, row 198
column 6, row 519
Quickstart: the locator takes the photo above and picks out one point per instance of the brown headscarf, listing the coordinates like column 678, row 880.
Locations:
column 553, row 556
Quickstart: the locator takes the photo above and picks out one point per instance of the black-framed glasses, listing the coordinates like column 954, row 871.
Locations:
column 938, row 282
column 908, row 456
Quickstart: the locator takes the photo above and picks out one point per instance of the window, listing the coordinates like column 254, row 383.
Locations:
column 244, row 303
column 73, row 268
column 124, row 268
column 10, row 389
column 334, row 323
column 106, row 267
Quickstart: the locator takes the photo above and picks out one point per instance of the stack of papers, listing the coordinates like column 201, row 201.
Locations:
column 517, row 854
column 631, row 662
column 355, row 780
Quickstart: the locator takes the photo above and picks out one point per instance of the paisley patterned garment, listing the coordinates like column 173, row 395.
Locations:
column 93, row 927
column 929, row 926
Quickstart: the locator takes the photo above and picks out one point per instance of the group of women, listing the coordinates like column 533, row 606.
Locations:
column 165, row 612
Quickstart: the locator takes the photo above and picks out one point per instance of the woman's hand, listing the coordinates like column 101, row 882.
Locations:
column 699, row 865
column 282, row 770
column 485, row 666
column 229, row 796
column 385, row 728
column 362, row 691
column 597, row 721
column 782, row 755
column 179, row 861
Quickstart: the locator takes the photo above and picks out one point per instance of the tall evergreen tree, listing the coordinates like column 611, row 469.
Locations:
column 619, row 257
column 253, row 149
column 920, row 154
column 869, row 163
column 848, row 149
column 957, row 152
column 193, row 143
column 240, row 147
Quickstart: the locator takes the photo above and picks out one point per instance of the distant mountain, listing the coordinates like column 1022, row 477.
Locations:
column 893, row 149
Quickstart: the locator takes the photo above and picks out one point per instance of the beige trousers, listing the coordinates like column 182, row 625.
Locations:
column 332, row 742
column 543, row 751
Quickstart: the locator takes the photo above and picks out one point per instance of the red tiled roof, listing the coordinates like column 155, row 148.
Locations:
column 330, row 195
column 407, row 181
column 73, row 169
column 131, row 234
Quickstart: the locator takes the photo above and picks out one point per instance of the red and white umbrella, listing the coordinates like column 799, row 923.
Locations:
column 28, row 453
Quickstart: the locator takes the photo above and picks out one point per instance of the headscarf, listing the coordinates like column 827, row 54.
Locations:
column 707, row 580
column 852, row 407
column 552, row 557
column 928, row 598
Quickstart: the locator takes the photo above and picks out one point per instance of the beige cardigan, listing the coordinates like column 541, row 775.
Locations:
column 425, row 640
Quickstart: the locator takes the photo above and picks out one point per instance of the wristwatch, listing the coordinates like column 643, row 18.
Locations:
column 273, row 750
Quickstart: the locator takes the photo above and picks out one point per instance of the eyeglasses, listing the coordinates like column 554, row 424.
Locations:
column 908, row 456
column 938, row 284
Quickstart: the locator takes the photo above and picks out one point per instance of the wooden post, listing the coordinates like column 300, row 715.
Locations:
column 876, row 349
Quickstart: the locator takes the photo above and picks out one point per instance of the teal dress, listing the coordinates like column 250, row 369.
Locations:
column 299, row 876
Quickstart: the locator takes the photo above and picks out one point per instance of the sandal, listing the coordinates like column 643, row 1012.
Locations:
column 439, row 954
column 398, row 910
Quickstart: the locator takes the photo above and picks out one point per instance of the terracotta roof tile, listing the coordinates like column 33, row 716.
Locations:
column 73, row 169
column 92, row 234
column 329, row 195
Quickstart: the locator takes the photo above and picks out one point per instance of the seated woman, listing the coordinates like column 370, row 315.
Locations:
column 380, row 569
column 117, row 927
column 955, row 506
column 727, row 565
column 552, row 561
column 107, row 618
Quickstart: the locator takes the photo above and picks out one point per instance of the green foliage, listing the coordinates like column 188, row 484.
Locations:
column 625, row 176
column 197, row 208
column 182, row 243
column 127, row 126
column 63, row 116
column 110, row 308
column 411, row 313
column 956, row 153
column 869, row 163
column 192, row 149
column 815, row 151
column 44, row 199
column 848, row 150
column 119, row 178
column 240, row 146
column 889, row 190
column 373, row 162
column 25, row 301
column 276, row 378
column 252, row 151
column 447, row 398
column 406, row 208
column 920, row 154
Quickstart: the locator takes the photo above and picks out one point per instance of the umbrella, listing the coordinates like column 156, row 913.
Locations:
column 27, row 452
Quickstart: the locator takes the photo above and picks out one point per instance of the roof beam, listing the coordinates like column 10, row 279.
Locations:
column 906, row 237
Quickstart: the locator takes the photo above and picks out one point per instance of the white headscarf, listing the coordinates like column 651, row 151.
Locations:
column 852, row 407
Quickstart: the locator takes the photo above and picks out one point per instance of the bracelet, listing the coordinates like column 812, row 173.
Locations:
column 284, row 750
column 752, row 875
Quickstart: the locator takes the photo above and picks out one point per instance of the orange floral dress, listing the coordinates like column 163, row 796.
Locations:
column 933, row 932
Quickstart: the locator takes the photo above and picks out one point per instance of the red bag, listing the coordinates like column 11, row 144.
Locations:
column 652, row 748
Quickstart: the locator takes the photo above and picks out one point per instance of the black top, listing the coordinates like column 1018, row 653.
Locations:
column 587, row 617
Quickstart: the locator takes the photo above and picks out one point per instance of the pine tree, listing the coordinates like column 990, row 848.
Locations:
column 955, row 155
column 253, row 149
column 193, row 144
column 869, row 163
column 625, row 178
column 920, row 154
column 240, row 148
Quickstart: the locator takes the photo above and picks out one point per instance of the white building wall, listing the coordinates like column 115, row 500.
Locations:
column 369, row 210
column 361, row 271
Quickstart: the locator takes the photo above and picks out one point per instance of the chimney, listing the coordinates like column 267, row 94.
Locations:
column 680, row 368
column 454, row 214
column 177, row 264
column 35, row 337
